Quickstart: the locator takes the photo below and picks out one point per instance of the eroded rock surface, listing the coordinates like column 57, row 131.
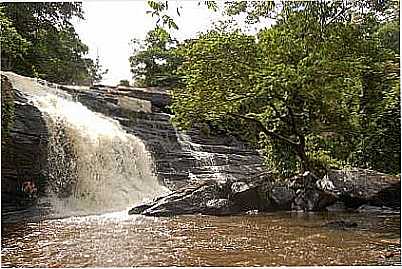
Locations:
column 263, row 194
column 23, row 157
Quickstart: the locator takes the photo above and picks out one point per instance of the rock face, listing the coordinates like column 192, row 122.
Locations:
column 24, row 153
column 179, row 157
column 358, row 186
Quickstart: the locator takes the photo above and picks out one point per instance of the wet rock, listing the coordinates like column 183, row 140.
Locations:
column 312, row 200
column 283, row 197
column 246, row 196
column 207, row 198
column 178, row 156
column 377, row 209
column 24, row 154
column 221, row 207
column 356, row 187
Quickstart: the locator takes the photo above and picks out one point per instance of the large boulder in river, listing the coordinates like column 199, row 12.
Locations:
column 217, row 198
column 347, row 189
column 207, row 198
column 356, row 187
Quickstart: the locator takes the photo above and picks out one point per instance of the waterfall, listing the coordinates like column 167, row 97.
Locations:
column 94, row 166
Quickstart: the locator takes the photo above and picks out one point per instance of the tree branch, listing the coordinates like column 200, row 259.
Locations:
column 344, row 8
column 265, row 130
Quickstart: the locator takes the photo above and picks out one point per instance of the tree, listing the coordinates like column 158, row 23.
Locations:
column 298, row 88
column 154, row 62
column 96, row 71
column 51, row 48
column 124, row 82
column 12, row 43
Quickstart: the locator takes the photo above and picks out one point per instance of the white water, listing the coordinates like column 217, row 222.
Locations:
column 112, row 169
column 204, row 159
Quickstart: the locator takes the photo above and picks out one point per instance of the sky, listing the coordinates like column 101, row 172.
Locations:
column 109, row 26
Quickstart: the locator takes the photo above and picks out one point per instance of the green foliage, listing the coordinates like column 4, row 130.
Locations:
column 319, row 89
column 95, row 70
column 216, row 69
column 254, row 10
column 160, row 10
column 12, row 43
column 42, row 42
column 124, row 82
column 154, row 62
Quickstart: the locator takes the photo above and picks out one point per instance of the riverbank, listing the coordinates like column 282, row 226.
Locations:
column 339, row 191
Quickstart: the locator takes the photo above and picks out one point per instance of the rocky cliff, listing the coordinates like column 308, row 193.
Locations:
column 180, row 157
column 24, row 153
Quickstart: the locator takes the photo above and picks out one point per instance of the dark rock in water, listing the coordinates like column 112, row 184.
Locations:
column 358, row 186
column 340, row 224
column 221, row 207
column 247, row 196
column 282, row 196
column 377, row 209
column 312, row 200
column 260, row 195
column 203, row 199
column 388, row 197
column 213, row 198
column 139, row 209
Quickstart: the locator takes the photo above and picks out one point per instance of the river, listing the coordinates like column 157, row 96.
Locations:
column 117, row 239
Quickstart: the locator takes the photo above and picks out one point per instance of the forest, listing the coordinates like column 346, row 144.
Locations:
column 39, row 40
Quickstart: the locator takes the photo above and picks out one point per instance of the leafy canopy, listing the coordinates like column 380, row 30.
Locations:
column 300, row 89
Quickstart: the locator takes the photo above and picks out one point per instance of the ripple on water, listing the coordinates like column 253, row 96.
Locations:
column 117, row 239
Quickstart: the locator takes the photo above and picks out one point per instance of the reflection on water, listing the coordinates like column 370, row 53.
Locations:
column 117, row 239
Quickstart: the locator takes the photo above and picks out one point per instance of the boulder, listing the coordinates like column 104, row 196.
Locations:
column 207, row 198
column 217, row 198
column 356, row 187
column 282, row 196
column 247, row 196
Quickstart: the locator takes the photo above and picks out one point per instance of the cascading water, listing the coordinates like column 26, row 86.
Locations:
column 94, row 166
column 205, row 159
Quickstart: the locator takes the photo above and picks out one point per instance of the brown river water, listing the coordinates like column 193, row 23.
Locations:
column 116, row 239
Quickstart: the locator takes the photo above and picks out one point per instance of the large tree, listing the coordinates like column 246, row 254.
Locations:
column 301, row 87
